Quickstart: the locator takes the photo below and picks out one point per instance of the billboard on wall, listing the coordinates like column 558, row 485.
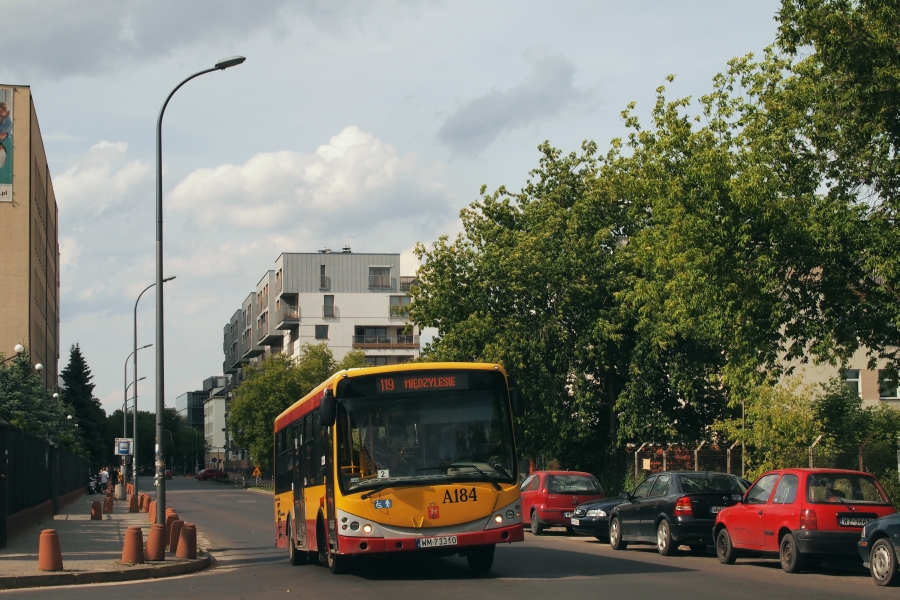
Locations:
column 6, row 144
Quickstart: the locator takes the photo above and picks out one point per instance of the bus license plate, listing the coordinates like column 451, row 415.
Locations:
column 436, row 542
column 715, row 509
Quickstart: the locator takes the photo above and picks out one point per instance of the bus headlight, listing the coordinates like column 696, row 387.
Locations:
column 354, row 525
column 510, row 514
column 367, row 529
column 506, row 516
column 498, row 519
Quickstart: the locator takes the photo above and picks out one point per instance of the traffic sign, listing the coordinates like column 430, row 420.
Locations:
column 257, row 472
column 124, row 447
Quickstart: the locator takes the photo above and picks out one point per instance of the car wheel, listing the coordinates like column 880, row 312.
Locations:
column 724, row 548
column 883, row 563
column 615, row 535
column 790, row 555
column 664, row 539
column 295, row 557
column 480, row 559
column 536, row 527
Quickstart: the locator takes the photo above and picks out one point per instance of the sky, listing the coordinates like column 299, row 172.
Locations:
column 360, row 123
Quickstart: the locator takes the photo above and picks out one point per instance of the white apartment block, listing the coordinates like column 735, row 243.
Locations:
column 348, row 300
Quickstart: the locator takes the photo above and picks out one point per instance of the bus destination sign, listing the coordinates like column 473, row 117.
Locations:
column 421, row 383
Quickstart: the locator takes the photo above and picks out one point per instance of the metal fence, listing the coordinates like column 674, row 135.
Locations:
column 34, row 470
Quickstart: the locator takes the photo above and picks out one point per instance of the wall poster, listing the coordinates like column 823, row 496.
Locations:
column 6, row 144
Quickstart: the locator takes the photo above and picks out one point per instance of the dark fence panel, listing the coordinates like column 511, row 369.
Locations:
column 30, row 482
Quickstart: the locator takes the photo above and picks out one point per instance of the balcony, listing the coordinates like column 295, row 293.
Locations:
column 406, row 281
column 269, row 337
column 278, row 283
column 386, row 342
column 287, row 316
column 381, row 282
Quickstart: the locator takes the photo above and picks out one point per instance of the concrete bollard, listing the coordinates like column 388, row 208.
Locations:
column 156, row 543
column 133, row 504
column 49, row 555
column 151, row 514
column 108, row 506
column 96, row 511
column 174, row 534
column 187, row 542
column 133, row 550
column 170, row 518
column 145, row 503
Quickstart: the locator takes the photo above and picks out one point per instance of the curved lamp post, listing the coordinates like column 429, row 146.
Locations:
column 19, row 348
column 134, row 416
column 160, row 478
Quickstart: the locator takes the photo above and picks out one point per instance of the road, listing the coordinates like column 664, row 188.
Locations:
column 239, row 527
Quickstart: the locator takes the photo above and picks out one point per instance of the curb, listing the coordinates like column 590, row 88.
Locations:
column 119, row 575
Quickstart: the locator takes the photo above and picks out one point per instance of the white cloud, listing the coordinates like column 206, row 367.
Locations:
column 104, row 178
column 542, row 94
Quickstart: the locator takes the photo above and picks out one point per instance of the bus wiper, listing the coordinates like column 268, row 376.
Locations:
column 486, row 476
column 499, row 467
column 387, row 485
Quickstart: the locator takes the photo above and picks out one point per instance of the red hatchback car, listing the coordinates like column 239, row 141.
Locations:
column 801, row 514
column 550, row 497
column 211, row 474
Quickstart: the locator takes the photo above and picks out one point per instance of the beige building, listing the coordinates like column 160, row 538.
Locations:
column 874, row 386
column 29, row 245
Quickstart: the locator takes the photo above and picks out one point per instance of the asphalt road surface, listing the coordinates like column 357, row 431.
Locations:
column 239, row 527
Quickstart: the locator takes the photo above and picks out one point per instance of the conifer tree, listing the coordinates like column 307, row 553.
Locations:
column 90, row 416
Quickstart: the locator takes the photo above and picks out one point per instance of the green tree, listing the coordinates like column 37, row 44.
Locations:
column 78, row 392
column 271, row 387
column 27, row 404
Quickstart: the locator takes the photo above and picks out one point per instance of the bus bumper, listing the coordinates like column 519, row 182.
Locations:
column 361, row 545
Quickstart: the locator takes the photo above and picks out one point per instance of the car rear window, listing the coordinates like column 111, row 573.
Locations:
column 712, row 482
column 843, row 487
column 574, row 484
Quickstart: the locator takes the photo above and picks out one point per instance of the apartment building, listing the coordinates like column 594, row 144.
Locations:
column 29, row 236
column 351, row 301
column 874, row 386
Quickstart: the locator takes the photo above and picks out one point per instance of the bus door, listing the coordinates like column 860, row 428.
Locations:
column 297, row 433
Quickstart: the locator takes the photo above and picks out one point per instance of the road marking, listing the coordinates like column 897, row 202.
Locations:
column 245, row 501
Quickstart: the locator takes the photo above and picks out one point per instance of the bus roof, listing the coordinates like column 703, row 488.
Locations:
column 314, row 398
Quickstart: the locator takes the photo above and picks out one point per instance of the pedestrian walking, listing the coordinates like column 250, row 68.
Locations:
column 104, row 479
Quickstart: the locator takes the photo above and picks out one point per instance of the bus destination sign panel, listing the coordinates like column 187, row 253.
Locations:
column 421, row 383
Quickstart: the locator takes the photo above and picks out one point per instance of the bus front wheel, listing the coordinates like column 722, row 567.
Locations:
column 338, row 564
column 295, row 557
column 480, row 559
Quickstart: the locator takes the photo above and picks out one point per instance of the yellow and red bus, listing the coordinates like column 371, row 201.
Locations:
column 405, row 458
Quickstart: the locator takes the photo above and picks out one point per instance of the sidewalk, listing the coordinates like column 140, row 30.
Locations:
column 91, row 550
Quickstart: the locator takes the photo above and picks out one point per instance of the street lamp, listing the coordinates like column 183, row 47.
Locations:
column 19, row 348
column 125, row 404
column 160, row 345
column 125, row 409
column 134, row 424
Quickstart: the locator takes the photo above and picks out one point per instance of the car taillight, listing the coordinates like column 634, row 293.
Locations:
column 808, row 519
column 683, row 507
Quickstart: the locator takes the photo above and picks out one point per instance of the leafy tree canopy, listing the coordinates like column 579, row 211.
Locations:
column 273, row 385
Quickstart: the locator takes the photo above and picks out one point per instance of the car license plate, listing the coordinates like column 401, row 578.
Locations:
column 436, row 542
column 854, row 521
column 576, row 521
column 567, row 515
column 715, row 509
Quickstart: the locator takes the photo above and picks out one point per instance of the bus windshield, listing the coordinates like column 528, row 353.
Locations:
column 424, row 437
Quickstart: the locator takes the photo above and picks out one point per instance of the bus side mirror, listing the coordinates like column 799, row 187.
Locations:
column 329, row 406
column 515, row 399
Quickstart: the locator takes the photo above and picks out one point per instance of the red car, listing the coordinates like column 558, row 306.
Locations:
column 550, row 497
column 211, row 474
column 801, row 515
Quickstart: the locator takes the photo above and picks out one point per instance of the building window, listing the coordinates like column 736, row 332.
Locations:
column 376, row 361
column 887, row 384
column 372, row 335
column 321, row 332
column 400, row 305
column 851, row 380
column 323, row 280
column 380, row 277
column 329, row 306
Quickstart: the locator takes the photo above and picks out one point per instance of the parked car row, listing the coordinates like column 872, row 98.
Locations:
column 802, row 516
